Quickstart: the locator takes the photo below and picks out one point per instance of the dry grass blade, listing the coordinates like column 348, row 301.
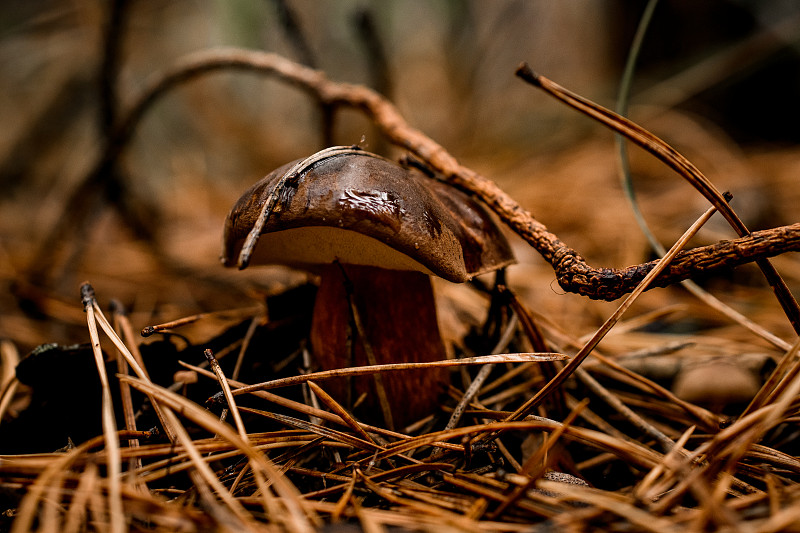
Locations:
column 707, row 419
column 368, row 523
column 269, row 503
column 647, row 489
column 135, row 362
column 386, row 475
column 631, row 416
column 612, row 502
column 394, row 367
column 205, row 480
column 113, row 463
column 121, row 322
column 341, row 505
column 50, row 470
column 49, row 515
column 344, row 438
column 677, row 162
column 784, row 373
column 77, row 512
column 633, row 453
column 9, row 357
column 575, row 362
column 448, row 518
column 283, row 487
column 311, row 411
column 751, row 428
column 334, row 406
column 482, row 376
column 536, row 464
column 723, row 452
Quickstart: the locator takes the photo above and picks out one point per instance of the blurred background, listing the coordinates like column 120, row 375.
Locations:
column 718, row 79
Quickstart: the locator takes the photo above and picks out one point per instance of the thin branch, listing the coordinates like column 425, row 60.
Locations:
column 302, row 48
column 626, row 180
column 110, row 65
column 587, row 349
column 676, row 161
column 572, row 271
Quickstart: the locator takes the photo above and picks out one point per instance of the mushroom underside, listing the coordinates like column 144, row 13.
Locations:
column 374, row 230
column 311, row 246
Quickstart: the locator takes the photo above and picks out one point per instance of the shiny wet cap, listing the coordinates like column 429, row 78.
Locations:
column 353, row 206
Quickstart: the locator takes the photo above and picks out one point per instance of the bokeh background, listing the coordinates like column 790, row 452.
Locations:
column 717, row 79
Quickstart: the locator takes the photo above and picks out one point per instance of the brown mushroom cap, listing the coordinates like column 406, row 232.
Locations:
column 359, row 208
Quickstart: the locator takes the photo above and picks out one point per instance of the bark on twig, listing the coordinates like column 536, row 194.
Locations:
column 572, row 271
column 609, row 284
column 676, row 161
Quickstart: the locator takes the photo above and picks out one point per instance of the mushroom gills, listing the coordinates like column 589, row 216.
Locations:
column 312, row 246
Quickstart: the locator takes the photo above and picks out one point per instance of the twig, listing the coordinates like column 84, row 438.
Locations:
column 627, row 186
column 104, row 183
column 575, row 362
column 294, row 34
column 669, row 156
column 377, row 63
column 572, row 271
column 109, row 66
column 299, row 43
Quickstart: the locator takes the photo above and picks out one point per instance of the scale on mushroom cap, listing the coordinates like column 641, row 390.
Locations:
column 380, row 229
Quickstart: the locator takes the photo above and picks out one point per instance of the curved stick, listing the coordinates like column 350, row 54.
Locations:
column 572, row 271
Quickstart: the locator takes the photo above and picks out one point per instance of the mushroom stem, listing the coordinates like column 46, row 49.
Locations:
column 397, row 324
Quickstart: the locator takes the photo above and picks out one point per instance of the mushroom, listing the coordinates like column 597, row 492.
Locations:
column 375, row 232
